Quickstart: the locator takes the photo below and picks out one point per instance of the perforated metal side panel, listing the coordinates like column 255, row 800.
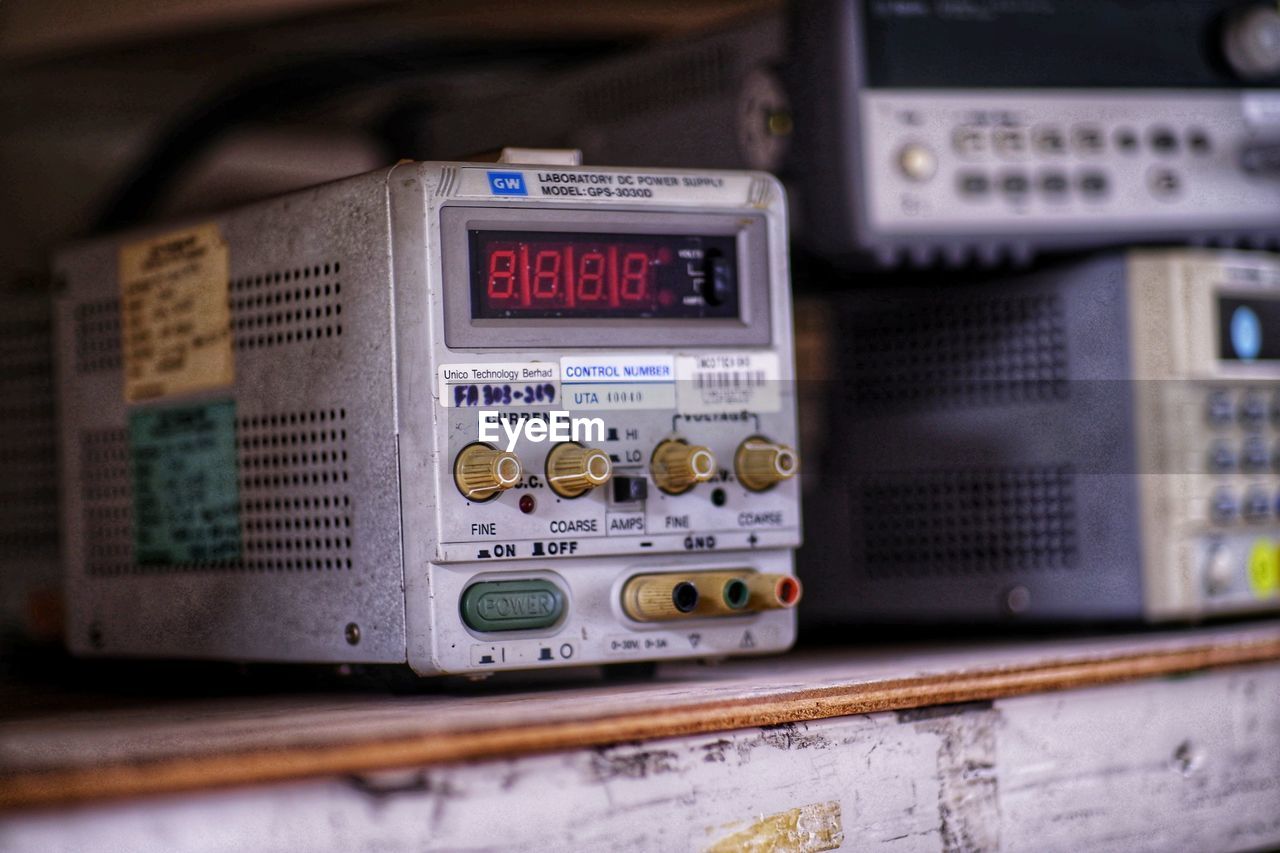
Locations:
column 28, row 457
column 984, row 352
column 28, row 489
column 315, row 444
column 965, row 522
column 97, row 341
column 105, row 494
column 287, row 307
column 295, row 502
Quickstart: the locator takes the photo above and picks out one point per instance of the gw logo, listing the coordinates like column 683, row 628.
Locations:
column 507, row 183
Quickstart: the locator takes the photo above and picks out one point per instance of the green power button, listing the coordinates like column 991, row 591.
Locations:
column 522, row 605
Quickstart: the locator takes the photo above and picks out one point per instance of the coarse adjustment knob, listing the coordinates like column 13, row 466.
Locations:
column 761, row 463
column 677, row 466
column 574, row 470
column 482, row 471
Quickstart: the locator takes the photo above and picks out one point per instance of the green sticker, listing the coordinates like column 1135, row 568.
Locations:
column 186, row 500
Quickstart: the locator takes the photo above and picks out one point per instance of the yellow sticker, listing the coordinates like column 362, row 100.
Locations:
column 1264, row 569
column 808, row 829
column 176, row 321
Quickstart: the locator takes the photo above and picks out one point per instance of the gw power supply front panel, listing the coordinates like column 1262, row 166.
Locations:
column 466, row 417
column 1098, row 441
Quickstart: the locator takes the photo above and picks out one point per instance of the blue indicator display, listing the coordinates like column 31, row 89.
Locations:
column 1246, row 333
column 1248, row 329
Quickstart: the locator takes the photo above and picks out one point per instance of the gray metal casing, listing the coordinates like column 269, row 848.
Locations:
column 1036, row 447
column 363, row 398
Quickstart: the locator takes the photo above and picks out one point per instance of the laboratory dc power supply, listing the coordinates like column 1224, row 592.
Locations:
column 468, row 417
column 1099, row 441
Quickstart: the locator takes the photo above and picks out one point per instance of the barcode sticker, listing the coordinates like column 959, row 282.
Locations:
column 728, row 382
column 729, row 379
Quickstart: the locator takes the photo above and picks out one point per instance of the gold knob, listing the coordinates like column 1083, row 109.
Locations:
column 573, row 470
column 761, row 463
column 676, row 466
column 481, row 471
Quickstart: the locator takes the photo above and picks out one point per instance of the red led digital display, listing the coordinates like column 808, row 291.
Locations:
column 542, row 274
column 555, row 275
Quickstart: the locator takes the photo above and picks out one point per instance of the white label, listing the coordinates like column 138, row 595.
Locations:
column 552, row 183
column 620, row 396
column 728, row 382
column 618, row 368
column 496, row 385
column 619, row 382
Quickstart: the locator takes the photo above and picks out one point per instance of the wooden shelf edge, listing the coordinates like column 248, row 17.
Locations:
column 263, row 766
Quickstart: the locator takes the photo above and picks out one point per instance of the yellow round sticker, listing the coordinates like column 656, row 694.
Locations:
column 1264, row 569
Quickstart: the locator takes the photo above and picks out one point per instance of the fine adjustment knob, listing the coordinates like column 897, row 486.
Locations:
column 761, row 463
column 481, row 471
column 677, row 466
column 573, row 470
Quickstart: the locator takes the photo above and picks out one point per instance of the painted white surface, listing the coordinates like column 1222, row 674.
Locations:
column 1170, row 764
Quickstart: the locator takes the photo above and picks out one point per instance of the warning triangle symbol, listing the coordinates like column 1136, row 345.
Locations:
column 748, row 641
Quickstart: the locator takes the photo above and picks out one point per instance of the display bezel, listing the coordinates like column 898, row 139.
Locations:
column 750, row 327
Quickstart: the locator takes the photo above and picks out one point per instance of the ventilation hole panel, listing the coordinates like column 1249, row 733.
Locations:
column 973, row 353
column 276, row 308
column 295, row 502
column 295, row 507
column 287, row 307
column 105, row 494
column 97, row 336
column 968, row 522
column 28, row 449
